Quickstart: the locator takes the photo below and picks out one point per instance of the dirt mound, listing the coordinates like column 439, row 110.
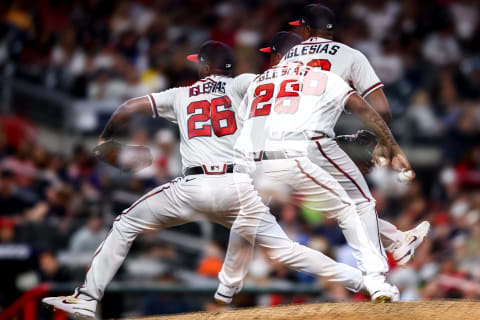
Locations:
column 420, row 310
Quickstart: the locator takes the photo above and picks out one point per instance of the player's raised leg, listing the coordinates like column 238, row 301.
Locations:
column 327, row 154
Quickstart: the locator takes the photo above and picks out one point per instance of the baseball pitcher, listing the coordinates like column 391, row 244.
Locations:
column 286, row 108
column 212, row 187
column 315, row 26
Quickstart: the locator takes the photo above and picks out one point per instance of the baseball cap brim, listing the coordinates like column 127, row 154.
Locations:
column 193, row 58
column 295, row 23
column 266, row 50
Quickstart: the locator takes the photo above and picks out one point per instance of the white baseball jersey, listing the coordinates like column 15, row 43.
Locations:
column 283, row 107
column 287, row 102
column 353, row 67
column 348, row 63
column 205, row 114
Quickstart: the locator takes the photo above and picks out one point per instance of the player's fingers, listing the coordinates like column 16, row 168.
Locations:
column 379, row 161
column 388, row 157
column 400, row 163
column 406, row 177
column 378, row 156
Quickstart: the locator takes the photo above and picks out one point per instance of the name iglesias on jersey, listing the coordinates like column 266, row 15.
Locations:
column 208, row 87
column 311, row 49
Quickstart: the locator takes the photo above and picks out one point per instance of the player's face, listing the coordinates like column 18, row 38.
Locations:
column 204, row 71
column 304, row 31
column 275, row 59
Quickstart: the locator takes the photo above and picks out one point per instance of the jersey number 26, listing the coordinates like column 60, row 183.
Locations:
column 222, row 120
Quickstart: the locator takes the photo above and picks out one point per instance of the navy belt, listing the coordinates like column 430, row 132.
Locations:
column 227, row 168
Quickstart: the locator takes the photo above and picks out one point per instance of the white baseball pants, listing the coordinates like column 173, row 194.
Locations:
column 221, row 199
column 327, row 154
column 322, row 193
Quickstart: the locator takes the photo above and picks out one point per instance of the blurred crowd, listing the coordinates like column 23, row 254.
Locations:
column 55, row 208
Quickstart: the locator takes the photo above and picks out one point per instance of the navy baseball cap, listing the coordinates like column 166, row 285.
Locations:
column 214, row 53
column 282, row 42
column 317, row 17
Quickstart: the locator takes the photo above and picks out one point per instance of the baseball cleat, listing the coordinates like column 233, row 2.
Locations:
column 224, row 294
column 222, row 300
column 396, row 293
column 380, row 290
column 389, row 294
column 382, row 299
column 413, row 238
column 78, row 308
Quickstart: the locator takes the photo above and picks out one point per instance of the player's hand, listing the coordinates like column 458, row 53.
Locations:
column 400, row 163
column 393, row 157
column 380, row 157
column 399, row 160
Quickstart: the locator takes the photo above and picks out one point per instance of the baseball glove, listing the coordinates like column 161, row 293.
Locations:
column 359, row 147
column 125, row 157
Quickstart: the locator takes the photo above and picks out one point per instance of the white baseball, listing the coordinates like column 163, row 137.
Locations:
column 382, row 161
column 405, row 176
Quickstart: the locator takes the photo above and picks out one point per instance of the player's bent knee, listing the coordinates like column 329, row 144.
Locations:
column 125, row 230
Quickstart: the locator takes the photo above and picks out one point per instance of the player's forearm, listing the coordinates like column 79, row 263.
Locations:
column 372, row 119
column 117, row 121
column 122, row 116
column 379, row 102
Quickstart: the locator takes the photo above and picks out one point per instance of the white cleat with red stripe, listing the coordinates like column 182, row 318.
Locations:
column 404, row 251
column 78, row 308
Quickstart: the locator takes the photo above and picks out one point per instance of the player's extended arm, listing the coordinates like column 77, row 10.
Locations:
column 390, row 148
column 122, row 116
column 108, row 150
column 379, row 102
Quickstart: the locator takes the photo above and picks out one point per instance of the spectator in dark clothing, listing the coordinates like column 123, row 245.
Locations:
column 50, row 269
column 12, row 201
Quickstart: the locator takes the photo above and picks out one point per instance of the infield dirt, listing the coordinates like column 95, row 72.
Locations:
column 419, row 310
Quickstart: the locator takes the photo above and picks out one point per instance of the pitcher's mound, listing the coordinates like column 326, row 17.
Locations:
column 421, row 310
